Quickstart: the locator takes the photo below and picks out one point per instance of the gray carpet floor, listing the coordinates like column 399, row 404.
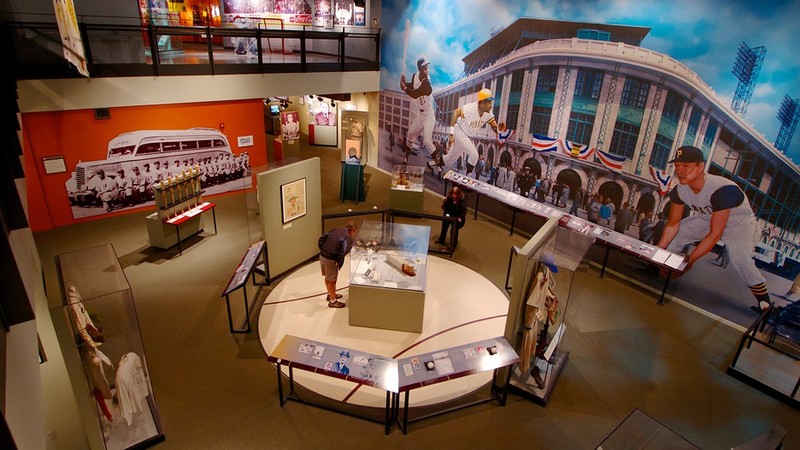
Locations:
column 215, row 390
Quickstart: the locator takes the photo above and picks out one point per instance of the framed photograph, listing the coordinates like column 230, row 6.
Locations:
column 290, row 125
column 293, row 200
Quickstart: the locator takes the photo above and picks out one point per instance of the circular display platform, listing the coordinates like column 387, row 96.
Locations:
column 461, row 307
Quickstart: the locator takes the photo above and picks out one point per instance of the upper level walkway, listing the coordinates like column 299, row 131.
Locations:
column 113, row 50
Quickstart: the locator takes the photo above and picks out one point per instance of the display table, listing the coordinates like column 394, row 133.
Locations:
column 247, row 267
column 444, row 365
column 337, row 362
column 388, row 274
column 166, row 233
column 672, row 262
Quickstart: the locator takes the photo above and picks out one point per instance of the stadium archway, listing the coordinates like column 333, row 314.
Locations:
column 570, row 178
column 613, row 191
column 536, row 168
column 647, row 202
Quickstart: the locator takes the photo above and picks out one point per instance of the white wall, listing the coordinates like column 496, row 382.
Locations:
column 70, row 94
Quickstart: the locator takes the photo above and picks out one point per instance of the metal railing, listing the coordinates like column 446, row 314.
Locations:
column 148, row 50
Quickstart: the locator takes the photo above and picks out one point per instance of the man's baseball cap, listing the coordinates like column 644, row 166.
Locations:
column 485, row 94
column 687, row 153
column 422, row 62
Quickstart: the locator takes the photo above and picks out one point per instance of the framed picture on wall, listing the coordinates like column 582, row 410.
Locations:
column 293, row 200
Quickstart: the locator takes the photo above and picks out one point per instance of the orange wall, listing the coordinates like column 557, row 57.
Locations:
column 78, row 136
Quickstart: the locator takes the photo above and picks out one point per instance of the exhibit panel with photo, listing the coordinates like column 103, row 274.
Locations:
column 112, row 163
column 597, row 143
column 290, row 125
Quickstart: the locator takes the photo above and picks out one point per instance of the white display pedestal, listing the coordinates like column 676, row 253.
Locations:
column 389, row 309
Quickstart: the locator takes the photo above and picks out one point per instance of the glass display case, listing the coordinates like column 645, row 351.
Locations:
column 407, row 189
column 388, row 275
column 408, row 178
column 390, row 255
column 101, row 316
column 355, row 125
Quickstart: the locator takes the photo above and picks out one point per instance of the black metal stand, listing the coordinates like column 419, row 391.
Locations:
column 389, row 406
column 251, row 269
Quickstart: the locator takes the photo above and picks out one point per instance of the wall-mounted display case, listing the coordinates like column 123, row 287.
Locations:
column 101, row 316
column 388, row 275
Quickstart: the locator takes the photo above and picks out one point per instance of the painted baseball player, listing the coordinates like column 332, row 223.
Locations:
column 420, row 89
column 467, row 120
column 721, row 211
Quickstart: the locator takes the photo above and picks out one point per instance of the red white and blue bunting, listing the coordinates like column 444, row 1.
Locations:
column 663, row 179
column 544, row 144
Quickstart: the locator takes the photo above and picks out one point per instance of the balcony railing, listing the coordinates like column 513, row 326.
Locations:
column 149, row 50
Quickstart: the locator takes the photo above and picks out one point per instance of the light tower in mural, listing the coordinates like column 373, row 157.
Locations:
column 788, row 114
column 746, row 69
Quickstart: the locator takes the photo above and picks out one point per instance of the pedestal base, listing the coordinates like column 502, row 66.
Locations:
column 406, row 200
column 388, row 309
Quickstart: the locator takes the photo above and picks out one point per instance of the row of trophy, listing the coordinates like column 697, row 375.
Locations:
column 178, row 194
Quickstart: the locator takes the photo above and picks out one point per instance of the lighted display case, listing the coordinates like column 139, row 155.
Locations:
column 101, row 317
column 388, row 275
column 408, row 178
column 407, row 188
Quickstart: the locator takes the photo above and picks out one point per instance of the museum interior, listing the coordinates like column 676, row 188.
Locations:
column 186, row 309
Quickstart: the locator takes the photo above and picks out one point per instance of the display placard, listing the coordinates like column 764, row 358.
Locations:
column 54, row 164
column 245, row 141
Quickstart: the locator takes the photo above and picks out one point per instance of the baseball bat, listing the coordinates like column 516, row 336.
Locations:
column 405, row 45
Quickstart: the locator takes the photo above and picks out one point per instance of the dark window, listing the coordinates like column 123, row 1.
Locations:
column 512, row 115
column 188, row 144
column 691, row 127
column 588, row 83
column 171, row 146
column 711, row 131
column 206, row 143
column 153, row 147
column 673, row 106
column 127, row 150
column 498, row 90
column 634, row 93
column 580, row 127
column 623, row 142
column 540, row 120
column 661, row 151
column 547, row 80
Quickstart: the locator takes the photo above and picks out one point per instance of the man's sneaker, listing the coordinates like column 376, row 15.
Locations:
column 328, row 297
column 336, row 304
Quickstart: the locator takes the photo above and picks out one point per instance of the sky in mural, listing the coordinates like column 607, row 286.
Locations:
column 704, row 35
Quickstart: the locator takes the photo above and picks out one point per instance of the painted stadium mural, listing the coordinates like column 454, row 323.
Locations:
column 610, row 113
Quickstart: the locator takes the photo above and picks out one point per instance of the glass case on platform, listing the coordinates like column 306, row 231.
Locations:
column 390, row 255
column 408, row 178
